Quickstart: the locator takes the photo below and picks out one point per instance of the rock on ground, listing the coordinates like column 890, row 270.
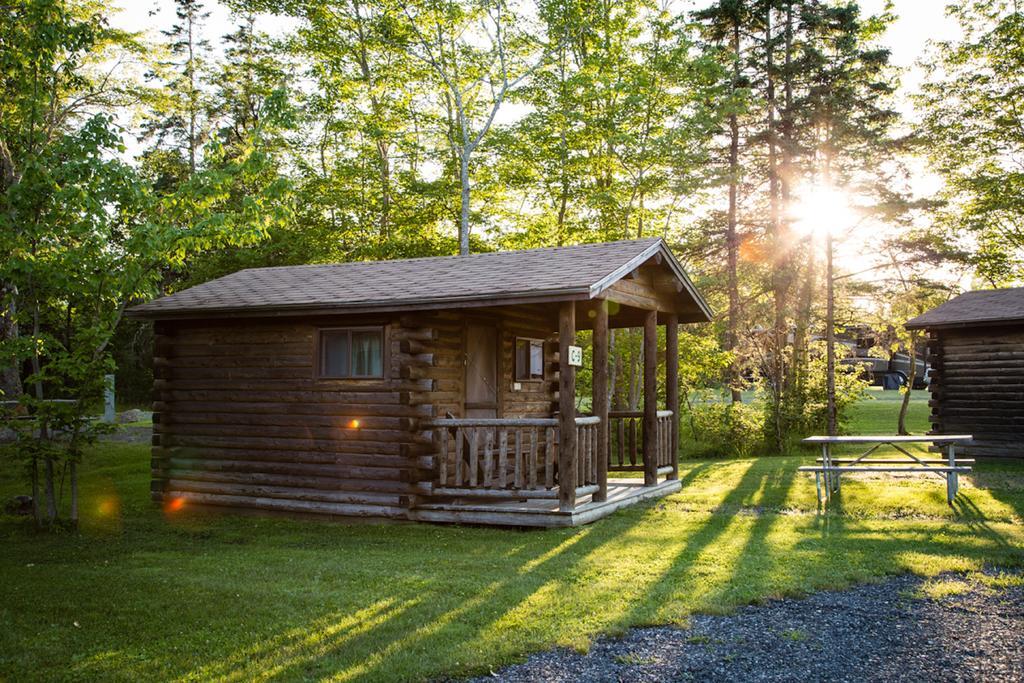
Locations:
column 950, row 628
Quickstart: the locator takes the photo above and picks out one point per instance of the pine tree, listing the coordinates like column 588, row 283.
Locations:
column 179, row 125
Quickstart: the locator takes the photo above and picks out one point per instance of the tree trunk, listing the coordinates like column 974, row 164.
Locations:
column 464, row 216
column 51, row 492
column 385, row 189
column 778, row 291
column 731, row 236
column 830, row 339
column 37, row 511
column 192, row 105
column 901, row 424
column 44, row 432
column 74, row 494
column 801, row 330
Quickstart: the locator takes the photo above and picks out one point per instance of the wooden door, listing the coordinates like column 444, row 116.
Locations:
column 481, row 395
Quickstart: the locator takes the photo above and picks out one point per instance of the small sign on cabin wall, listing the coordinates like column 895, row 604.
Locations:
column 576, row 356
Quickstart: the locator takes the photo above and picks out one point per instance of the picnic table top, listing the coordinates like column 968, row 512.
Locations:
column 883, row 438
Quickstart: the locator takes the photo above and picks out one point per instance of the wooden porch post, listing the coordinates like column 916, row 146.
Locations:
column 672, row 386
column 650, row 423
column 566, row 408
column 599, row 399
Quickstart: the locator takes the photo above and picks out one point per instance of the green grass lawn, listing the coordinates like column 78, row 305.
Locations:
column 143, row 594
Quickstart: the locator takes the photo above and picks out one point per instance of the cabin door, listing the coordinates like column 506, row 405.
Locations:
column 481, row 395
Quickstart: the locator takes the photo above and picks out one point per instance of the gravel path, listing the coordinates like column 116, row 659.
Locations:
column 890, row 631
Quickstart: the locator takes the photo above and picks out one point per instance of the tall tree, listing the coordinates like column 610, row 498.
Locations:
column 724, row 24
column 178, row 122
column 479, row 53
column 973, row 131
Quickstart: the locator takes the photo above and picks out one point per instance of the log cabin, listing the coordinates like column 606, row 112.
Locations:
column 976, row 349
column 435, row 389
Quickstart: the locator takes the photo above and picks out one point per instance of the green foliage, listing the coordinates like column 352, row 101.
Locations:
column 972, row 133
column 87, row 234
column 804, row 408
column 725, row 429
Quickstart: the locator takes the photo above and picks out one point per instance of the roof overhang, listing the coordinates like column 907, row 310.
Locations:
column 657, row 250
column 661, row 249
column 962, row 324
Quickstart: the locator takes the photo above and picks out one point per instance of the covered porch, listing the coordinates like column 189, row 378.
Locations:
column 570, row 467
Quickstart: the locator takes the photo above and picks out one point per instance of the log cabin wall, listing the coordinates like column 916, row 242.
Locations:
column 242, row 420
column 445, row 348
column 532, row 398
column 978, row 388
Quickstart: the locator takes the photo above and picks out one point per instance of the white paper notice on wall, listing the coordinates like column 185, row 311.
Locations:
column 576, row 356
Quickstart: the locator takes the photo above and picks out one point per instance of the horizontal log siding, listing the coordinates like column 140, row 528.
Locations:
column 977, row 388
column 446, row 347
column 536, row 398
column 241, row 420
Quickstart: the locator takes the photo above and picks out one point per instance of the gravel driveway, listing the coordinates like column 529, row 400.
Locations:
column 950, row 628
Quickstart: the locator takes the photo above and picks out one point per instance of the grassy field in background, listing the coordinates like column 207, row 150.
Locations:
column 144, row 594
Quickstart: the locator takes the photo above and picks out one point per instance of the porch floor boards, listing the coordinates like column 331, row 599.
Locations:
column 543, row 512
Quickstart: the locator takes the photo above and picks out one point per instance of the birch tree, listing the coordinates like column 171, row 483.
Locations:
column 479, row 52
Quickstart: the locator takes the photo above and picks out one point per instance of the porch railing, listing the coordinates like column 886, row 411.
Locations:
column 625, row 441
column 510, row 458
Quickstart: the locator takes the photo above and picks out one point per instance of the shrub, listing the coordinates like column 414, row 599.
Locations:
column 725, row 429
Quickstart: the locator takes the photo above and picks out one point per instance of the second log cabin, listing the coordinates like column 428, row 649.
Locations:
column 436, row 389
column 976, row 352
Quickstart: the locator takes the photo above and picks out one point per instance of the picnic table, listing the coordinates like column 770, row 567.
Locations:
column 830, row 468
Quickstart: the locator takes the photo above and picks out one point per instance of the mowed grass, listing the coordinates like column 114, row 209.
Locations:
column 144, row 594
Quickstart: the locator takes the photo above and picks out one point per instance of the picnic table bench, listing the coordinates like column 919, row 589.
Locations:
column 830, row 469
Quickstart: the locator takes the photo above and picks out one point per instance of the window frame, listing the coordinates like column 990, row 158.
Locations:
column 515, row 360
column 321, row 349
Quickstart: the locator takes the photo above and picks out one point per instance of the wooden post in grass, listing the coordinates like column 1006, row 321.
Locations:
column 566, row 408
column 672, row 388
column 599, row 398
column 650, row 423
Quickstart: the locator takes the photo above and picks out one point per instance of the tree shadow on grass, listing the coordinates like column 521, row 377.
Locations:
column 683, row 572
column 453, row 600
column 555, row 572
column 1004, row 482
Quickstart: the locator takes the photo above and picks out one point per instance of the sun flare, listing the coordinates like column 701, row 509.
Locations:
column 823, row 210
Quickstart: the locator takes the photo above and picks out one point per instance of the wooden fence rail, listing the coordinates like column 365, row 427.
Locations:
column 625, row 441
column 509, row 458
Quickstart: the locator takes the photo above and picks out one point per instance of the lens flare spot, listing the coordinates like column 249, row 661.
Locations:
column 752, row 252
column 174, row 505
column 108, row 506
column 354, row 424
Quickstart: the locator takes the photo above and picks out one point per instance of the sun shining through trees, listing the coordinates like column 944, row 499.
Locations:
column 778, row 148
column 858, row 241
column 821, row 210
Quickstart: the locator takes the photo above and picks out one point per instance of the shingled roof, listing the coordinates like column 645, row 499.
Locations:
column 981, row 307
column 576, row 272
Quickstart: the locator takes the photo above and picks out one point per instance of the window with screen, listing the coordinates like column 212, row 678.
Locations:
column 352, row 353
column 529, row 359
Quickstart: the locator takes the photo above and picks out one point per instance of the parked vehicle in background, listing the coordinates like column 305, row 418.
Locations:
column 890, row 372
